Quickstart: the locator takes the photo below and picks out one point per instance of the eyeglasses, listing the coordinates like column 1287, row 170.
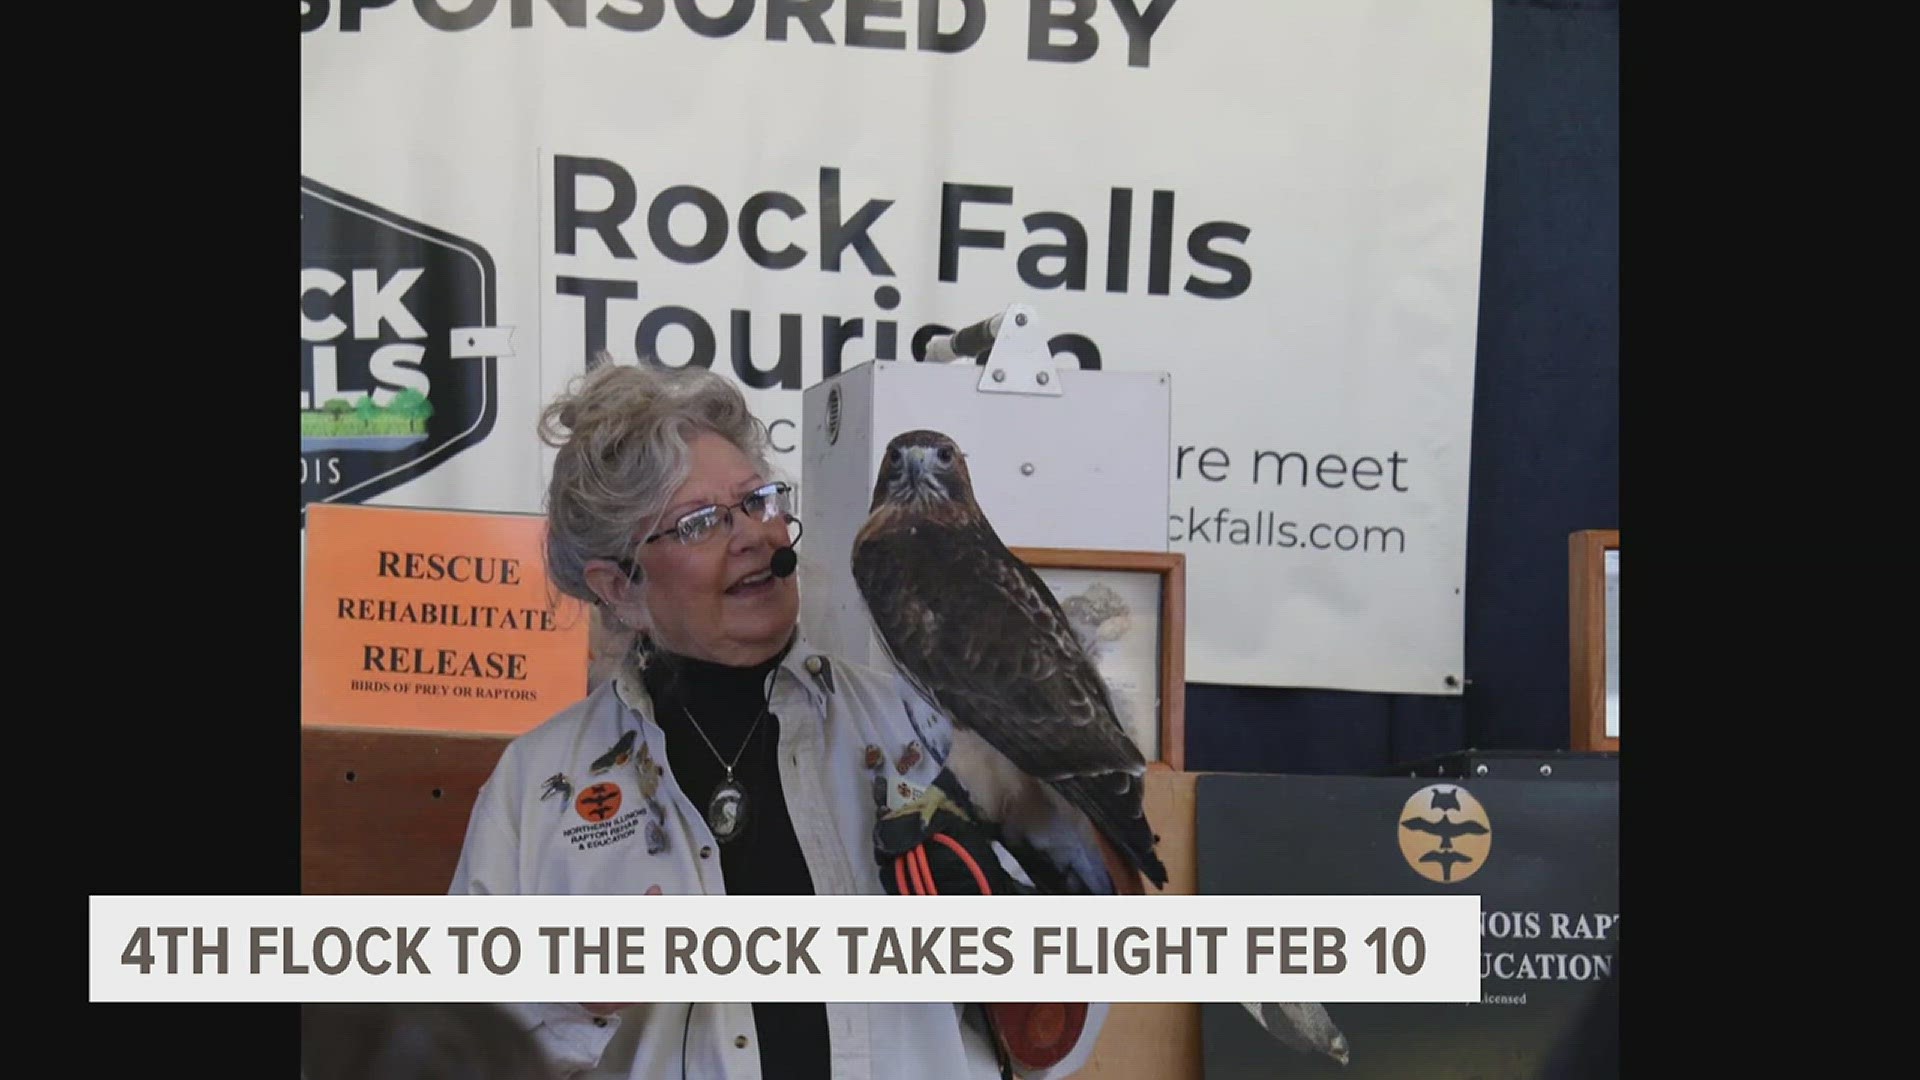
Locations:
column 769, row 502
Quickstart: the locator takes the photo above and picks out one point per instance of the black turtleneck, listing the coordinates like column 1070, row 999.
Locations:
column 765, row 859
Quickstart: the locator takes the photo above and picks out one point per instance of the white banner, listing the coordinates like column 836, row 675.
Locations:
column 784, row 948
column 1277, row 203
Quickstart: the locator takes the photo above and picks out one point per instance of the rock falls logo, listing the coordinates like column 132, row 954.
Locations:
column 1444, row 833
column 398, row 347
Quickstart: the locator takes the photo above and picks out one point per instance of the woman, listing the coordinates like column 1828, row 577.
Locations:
column 676, row 775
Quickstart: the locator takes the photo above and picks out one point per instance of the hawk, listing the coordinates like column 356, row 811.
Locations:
column 1037, row 744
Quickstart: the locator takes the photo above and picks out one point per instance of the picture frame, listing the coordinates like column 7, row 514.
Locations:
column 1131, row 608
column 1593, row 609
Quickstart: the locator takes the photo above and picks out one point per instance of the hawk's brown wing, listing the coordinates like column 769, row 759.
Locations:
column 979, row 632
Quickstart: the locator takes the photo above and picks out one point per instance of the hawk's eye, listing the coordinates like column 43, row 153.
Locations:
column 945, row 455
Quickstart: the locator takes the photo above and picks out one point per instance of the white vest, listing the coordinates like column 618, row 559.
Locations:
column 529, row 835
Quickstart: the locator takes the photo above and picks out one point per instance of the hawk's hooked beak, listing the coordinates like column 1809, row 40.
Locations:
column 918, row 479
column 917, row 462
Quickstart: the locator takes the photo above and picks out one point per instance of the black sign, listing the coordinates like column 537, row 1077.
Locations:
column 1542, row 855
column 397, row 350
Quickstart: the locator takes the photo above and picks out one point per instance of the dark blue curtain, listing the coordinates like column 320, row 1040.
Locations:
column 1545, row 427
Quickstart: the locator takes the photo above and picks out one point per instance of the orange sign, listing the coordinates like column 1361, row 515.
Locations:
column 436, row 620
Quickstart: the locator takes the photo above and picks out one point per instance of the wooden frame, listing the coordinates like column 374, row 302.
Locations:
column 1587, row 612
column 1170, row 631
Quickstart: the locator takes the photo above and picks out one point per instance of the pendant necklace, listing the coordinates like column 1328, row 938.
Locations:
column 727, row 807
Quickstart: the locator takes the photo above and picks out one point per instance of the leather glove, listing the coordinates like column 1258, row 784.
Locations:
column 947, row 853
column 950, row 852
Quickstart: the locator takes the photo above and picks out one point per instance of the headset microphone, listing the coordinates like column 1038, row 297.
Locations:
column 784, row 560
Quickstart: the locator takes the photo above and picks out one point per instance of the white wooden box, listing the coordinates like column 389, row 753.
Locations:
column 1087, row 466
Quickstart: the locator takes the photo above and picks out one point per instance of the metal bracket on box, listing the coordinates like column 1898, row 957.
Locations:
column 1020, row 362
column 1014, row 347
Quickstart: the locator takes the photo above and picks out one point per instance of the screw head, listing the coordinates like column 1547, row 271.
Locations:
column 1043, row 377
column 1480, row 770
column 1546, row 770
column 1020, row 319
column 999, row 376
column 1026, row 469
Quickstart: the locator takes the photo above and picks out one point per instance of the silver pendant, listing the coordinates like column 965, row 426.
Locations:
column 727, row 810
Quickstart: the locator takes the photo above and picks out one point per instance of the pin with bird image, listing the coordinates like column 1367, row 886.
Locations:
column 557, row 784
column 649, row 772
column 656, row 822
column 615, row 757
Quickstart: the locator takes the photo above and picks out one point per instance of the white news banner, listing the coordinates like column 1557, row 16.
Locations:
column 860, row 948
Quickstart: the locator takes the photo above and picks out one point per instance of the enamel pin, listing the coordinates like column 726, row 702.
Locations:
column 908, row 758
column 615, row 757
column 821, row 669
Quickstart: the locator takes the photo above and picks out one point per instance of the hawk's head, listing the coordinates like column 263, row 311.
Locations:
column 926, row 470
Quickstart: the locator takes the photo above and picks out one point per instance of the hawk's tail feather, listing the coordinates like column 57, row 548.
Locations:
column 1118, row 818
column 1126, row 880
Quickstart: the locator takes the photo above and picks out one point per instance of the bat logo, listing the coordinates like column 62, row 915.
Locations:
column 1444, row 833
column 1445, row 860
column 1445, row 829
column 614, row 757
column 599, row 802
